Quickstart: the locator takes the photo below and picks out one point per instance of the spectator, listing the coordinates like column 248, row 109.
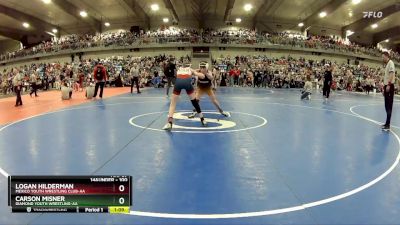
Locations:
column 100, row 76
column 369, row 84
column 170, row 73
column 306, row 93
column 17, row 83
column 66, row 92
column 34, row 83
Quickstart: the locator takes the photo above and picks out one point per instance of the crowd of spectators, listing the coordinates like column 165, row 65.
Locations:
column 177, row 35
column 240, row 71
column 74, row 42
column 54, row 75
column 326, row 42
column 288, row 72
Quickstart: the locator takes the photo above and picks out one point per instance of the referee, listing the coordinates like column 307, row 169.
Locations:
column 17, row 83
column 388, row 88
column 134, row 71
column 327, row 81
column 170, row 73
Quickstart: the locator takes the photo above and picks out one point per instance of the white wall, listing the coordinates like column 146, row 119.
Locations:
column 361, row 37
column 326, row 31
column 9, row 45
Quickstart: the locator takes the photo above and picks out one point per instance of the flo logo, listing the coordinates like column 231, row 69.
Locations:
column 216, row 123
column 372, row 14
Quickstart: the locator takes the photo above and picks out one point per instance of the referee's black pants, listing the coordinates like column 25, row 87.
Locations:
column 388, row 102
column 135, row 80
column 34, row 89
column 326, row 90
column 171, row 80
column 17, row 90
column 96, row 88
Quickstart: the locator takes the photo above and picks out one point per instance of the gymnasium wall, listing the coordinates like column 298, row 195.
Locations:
column 361, row 37
column 9, row 46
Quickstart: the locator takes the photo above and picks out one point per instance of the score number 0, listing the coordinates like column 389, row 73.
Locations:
column 121, row 200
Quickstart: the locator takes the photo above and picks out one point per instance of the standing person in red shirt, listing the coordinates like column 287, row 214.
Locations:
column 232, row 79
column 100, row 76
column 236, row 74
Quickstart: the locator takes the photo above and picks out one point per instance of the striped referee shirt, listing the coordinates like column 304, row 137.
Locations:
column 388, row 69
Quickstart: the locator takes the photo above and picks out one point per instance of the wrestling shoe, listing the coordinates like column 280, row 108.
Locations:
column 191, row 116
column 203, row 122
column 386, row 127
column 226, row 114
column 168, row 126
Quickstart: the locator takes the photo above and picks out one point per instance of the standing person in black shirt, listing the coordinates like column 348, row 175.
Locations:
column 257, row 78
column 223, row 79
column 17, row 83
column 34, row 81
column 62, row 75
column 170, row 72
column 46, row 81
column 388, row 89
column 135, row 75
column 327, row 81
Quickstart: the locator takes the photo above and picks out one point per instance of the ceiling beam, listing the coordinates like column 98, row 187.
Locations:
column 134, row 6
column 365, row 22
column 172, row 11
column 266, row 4
column 271, row 21
column 386, row 34
column 36, row 23
column 74, row 11
column 216, row 7
column 200, row 8
column 228, row 10
column 329, row 8
column 186, row 7
column 24, row 36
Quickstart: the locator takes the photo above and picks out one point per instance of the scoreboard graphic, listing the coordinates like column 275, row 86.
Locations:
column 70, row 194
